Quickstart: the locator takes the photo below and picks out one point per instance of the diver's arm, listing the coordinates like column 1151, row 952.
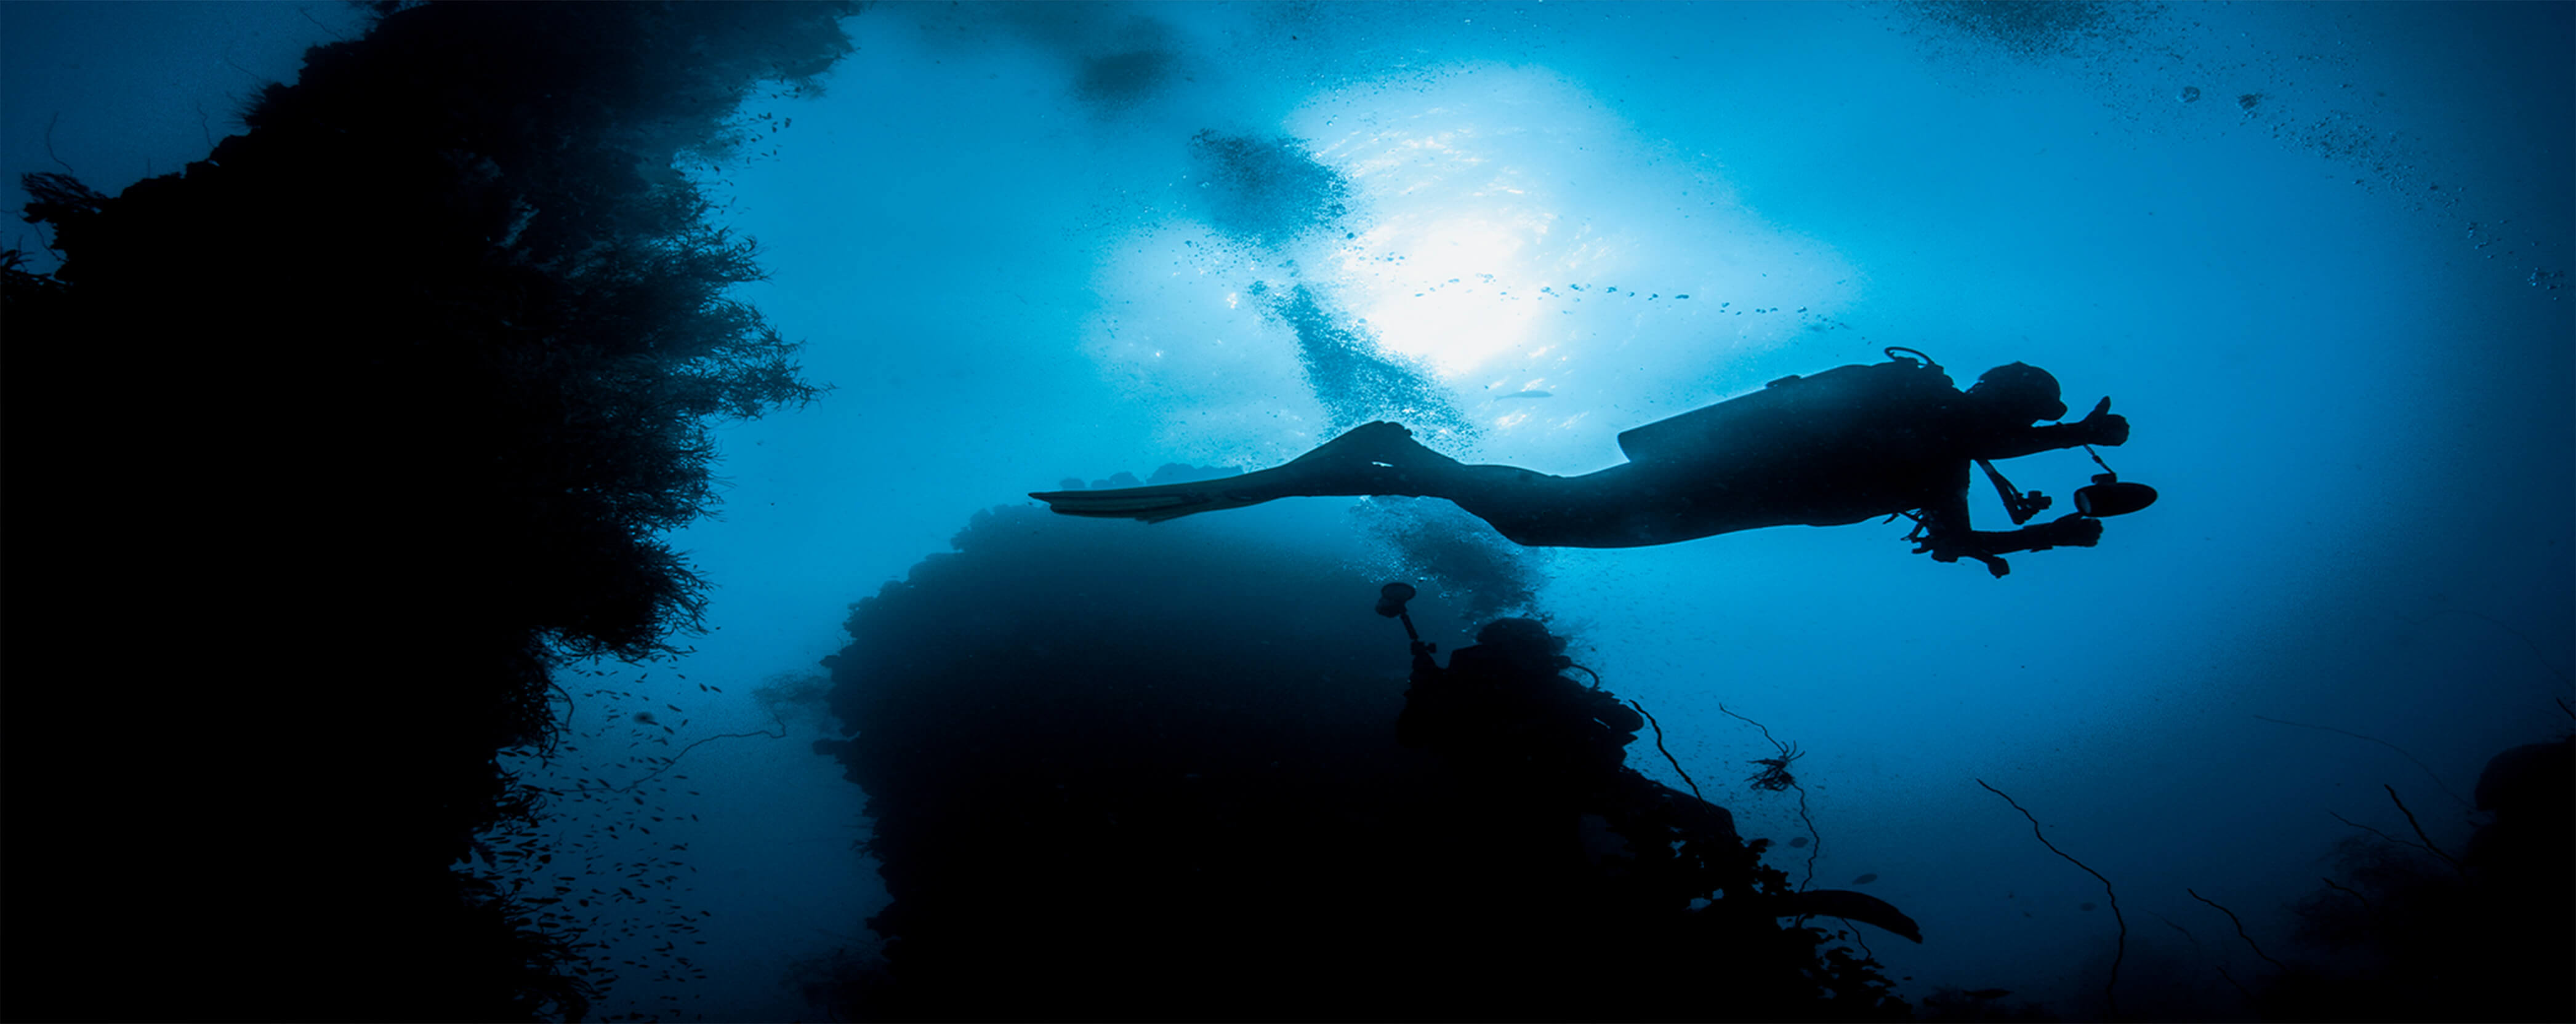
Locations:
column 1948, row 537
column 1948, row 540
column 2101, row 426
column 2072, row 530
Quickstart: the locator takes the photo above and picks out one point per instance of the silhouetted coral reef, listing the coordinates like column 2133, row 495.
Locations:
column 354, row 429
column 1153, row 773
column 2407, row 932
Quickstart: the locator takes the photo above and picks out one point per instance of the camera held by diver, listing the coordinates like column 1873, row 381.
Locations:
column 2107, row 496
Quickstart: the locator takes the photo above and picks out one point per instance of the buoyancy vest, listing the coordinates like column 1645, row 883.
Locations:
column 1821, row 413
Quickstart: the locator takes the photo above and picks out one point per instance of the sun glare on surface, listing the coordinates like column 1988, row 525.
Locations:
column 1450, row 287
column 1495, row 226
column 1502, row 211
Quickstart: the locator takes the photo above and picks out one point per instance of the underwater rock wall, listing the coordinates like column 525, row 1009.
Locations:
column 356, row 428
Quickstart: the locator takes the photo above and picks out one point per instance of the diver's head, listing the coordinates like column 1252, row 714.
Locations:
column 2019, row 392
column 1526, row 644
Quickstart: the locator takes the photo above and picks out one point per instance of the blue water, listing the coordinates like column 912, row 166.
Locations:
column 2315, row 253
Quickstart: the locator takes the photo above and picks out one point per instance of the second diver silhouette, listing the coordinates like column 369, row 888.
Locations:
column 1831, row 449
column 1547, row 751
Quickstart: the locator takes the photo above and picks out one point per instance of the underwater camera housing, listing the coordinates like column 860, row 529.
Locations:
column 1390, row 603
column 2107, row 496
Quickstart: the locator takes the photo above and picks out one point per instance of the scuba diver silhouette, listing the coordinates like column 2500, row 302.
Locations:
column 1506, row 706
column 1838, row 447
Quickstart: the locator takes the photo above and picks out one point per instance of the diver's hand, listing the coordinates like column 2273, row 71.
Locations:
column 2104, row 427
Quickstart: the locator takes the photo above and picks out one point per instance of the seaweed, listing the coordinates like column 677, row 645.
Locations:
column 2120, row 951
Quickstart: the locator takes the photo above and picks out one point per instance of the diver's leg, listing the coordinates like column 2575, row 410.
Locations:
column 1374, row 458
column 1623, row 506
column 1618, row 507
column 1614, row 508
column 1528, row 507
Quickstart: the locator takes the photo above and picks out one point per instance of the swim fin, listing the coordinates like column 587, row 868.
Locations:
column 1361, row 461
column 1157, row 503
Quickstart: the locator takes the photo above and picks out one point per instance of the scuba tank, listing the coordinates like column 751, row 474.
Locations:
column 1814, row 413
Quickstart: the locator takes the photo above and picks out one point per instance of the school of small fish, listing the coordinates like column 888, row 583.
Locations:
column 626, row 906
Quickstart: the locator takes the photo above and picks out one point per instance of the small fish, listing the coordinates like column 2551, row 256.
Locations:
column 1865, row 879
column 1525, row 394
column 1988, row 993
column 1798, row 843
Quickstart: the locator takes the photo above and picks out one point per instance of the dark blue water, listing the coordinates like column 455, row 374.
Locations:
column 2316, row 254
